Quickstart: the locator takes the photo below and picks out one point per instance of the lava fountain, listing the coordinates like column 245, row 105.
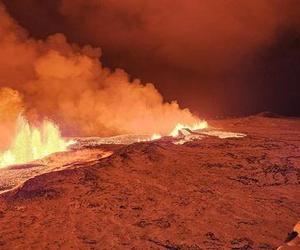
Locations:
column 178, row 127
column 195, row 126
column 31, row 143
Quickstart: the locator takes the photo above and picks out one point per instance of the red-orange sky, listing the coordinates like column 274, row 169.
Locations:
column 223, row 57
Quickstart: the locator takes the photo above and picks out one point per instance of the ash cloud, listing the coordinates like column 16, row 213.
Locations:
column 204, row 53
column 215, row 57
column 11, row 105
column 67, row 83
column 181, row 33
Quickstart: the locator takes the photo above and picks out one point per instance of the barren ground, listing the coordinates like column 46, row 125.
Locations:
column 235, row 193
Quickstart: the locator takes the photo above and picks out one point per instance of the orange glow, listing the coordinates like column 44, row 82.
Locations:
column 155, row 137
column 32, row 143
column 195, row 126
column 180, row 126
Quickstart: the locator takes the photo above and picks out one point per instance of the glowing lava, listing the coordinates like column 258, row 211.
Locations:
column 32, row 143
column 155, row 137
column 180, row 126
column 196, row 126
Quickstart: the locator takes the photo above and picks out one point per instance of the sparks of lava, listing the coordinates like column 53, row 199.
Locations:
column 32, row 143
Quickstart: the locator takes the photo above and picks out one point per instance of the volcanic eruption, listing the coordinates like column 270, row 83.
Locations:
column 32, row 143
column 67, row 83
column 94, row 158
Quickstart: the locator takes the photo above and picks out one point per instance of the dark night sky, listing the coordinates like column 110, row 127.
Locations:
column 215, row 57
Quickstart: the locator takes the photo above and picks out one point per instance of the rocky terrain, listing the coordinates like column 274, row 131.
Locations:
column 206, row 193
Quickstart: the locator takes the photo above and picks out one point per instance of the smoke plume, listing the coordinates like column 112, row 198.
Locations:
column 11, row 105
column 67, row 83
column 212, row 56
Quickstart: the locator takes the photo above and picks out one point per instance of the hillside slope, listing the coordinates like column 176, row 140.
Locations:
column 238, row 193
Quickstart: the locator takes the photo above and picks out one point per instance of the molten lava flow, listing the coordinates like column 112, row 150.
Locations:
column 196, row 126
column 155, row 137
column 33, row 143
column 180, row 126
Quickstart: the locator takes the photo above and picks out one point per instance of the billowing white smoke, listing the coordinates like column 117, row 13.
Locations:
column 68, row 84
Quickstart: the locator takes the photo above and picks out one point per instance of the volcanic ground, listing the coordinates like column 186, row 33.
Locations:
column 205, row 193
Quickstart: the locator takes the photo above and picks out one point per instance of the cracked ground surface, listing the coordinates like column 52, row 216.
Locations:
column 234, row 193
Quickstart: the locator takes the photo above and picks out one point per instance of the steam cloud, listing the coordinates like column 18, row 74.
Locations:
column 199, row 52
column 11, row 105
column 67, row 83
